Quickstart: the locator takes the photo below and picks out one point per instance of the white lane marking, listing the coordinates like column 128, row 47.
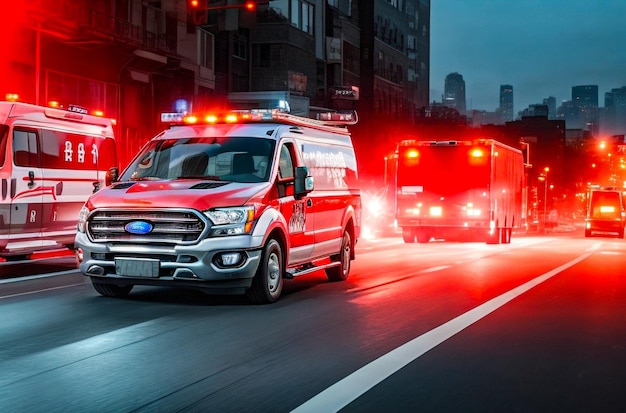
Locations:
column 36, row 277
column 433, row 269
column 40, row 291
column 356, row 384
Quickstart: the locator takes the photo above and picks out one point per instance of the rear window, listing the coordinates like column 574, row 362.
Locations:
column 605, row 204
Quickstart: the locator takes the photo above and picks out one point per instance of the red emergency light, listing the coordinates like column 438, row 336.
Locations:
column 477, row 153
column 412, row 153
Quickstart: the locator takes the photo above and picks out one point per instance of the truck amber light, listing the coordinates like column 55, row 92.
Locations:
column 604, row 209
column 210, row 119
column 231, row 118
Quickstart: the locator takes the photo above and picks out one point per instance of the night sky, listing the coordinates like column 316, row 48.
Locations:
column 541, row 47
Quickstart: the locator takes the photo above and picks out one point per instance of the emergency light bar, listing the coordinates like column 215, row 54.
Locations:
column 326, row 119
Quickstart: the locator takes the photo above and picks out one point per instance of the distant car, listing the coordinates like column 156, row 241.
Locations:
column 605, row 212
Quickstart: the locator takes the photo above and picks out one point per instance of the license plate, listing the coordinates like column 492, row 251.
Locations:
column 137, row 267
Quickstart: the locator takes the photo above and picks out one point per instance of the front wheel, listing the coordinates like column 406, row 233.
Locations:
column 267, row 284
column 111, row 290
column 341, row 271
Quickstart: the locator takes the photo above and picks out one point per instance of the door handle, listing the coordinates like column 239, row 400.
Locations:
column 31, row 178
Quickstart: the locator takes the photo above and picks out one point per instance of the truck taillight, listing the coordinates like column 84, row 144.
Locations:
column 412, row 154
column 435, row 211
column 477, row 153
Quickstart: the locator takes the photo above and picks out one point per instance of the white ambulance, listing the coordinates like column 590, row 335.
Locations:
column 51, row 160
column 229, row 204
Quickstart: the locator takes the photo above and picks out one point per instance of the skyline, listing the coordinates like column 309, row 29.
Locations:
column 540, row 48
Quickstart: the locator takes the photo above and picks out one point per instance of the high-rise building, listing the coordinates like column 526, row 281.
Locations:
column 454, row 92
column 550, row 102
column 585, row 103
column 506, row 103
column 614, row 120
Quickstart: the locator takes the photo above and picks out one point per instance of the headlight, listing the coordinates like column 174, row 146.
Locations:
column 231, row 221
column 82, row 219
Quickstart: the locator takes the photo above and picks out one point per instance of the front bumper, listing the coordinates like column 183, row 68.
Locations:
column 195, row 265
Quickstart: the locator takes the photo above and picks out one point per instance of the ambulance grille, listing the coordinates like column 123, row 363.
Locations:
column 152, row 226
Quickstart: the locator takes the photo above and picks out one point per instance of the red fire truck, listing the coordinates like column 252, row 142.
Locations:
column 459, row 190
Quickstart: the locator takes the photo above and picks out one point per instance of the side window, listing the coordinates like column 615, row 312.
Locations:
column 25, row 148
column 285, row 163
column 285, row 171
column 50, row 149
column 4, row 134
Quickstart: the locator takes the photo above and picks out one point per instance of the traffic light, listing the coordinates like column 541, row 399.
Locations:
column 248, row 5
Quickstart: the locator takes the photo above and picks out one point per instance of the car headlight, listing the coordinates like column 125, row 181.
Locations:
column 231, row 221
column 82, row 219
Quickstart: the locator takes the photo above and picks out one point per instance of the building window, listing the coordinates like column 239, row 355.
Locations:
column 205, row 49
column 302, row 15
column 262, row 56
column 240, row 45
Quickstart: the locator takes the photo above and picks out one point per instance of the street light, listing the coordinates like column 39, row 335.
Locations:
column 543, row 177
column 247, row 5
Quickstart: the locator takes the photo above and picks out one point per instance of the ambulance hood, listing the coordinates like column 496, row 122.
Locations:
column 184, row 193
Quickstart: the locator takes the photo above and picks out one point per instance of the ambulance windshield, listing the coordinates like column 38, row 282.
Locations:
column 236, row 159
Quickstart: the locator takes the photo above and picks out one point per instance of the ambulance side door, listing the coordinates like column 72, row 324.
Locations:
column 5, row 182
column 26, row 190
column 294, row 210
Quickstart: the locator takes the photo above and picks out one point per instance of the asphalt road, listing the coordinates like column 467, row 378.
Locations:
column 534, row 326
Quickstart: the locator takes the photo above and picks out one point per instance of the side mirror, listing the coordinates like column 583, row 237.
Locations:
column 304, row 182
column 112, row 176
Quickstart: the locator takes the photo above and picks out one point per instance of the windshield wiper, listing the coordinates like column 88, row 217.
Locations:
column 146, row 178
column 203, row 177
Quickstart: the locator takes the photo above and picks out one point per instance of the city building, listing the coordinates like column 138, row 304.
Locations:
column 613, row 118
column 536, row 110
column 454, row 92
column 550, row 102
column 134, row 59
column 506, row 103
column 582, row 111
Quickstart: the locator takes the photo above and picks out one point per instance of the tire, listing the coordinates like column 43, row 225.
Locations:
column 506, row 235
column 111, row 290
column 423, row 236
column 495, row 238
column 408, row 235
column 267, row 284
column 342, row 271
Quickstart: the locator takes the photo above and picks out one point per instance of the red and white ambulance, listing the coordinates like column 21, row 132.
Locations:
column 51, row 160
column 228, row 204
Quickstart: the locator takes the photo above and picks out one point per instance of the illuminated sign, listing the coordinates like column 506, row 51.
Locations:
column 344, row 92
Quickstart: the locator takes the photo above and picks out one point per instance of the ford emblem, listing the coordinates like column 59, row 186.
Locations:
column 138, row 227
